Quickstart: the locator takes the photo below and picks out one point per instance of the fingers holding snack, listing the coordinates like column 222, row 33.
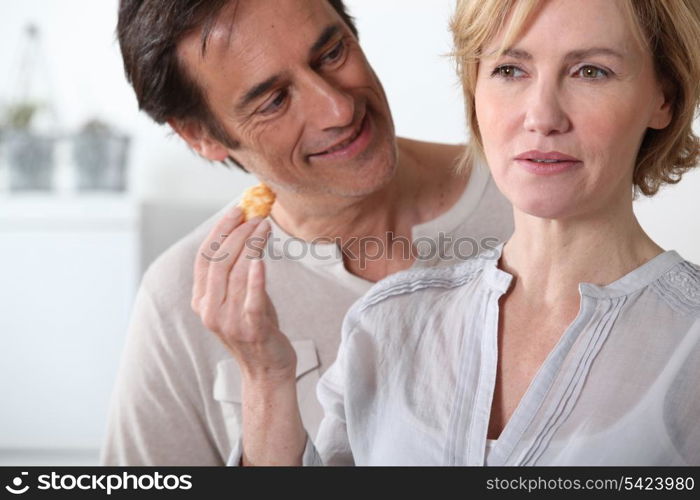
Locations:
column 229, row 290
column 222, row 250
column 210, row 251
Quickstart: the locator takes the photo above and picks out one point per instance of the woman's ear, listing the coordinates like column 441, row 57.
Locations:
column 199, row 139
column 663, row 113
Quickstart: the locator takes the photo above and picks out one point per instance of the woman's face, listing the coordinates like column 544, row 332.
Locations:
column 563, row 112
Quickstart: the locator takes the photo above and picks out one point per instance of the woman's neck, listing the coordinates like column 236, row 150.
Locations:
column 549, row 258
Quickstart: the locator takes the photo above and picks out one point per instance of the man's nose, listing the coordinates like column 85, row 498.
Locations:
column 545, row 114
column 327, row 105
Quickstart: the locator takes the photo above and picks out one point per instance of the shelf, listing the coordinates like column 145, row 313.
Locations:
column 47, row 212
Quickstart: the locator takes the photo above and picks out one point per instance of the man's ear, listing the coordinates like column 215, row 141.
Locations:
column 199, row 139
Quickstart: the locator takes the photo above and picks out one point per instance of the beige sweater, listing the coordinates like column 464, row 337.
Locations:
column 177, row 397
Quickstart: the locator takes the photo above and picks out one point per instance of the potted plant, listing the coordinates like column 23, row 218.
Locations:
column 100, row 154
column 29, row 154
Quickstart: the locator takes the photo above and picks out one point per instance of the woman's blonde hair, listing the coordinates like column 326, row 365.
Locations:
column 670, row 29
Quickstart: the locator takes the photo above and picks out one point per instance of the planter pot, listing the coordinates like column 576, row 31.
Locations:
column 30, row 161
column 100, row 160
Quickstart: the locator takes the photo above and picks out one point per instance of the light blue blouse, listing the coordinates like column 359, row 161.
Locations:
column 414, row 378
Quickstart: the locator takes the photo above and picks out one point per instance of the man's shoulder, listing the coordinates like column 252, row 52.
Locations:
column 169, row 277
column 430, row 154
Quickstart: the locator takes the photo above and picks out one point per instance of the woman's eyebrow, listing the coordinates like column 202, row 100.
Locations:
column 593, row 51
column 572, row 55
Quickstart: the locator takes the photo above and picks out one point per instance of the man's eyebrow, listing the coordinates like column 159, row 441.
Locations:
column 573, row 55
column 258, row 90
column 324, row 38
column 262, row 87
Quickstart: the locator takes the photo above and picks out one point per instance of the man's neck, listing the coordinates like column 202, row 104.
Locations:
column 423, row 186
column 341, row 217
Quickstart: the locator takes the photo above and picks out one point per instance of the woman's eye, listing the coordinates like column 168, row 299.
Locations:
column 591, row 73
column 508, row 72
column 275, row 103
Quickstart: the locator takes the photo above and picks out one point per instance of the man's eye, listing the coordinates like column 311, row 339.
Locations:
column 335, row 53
column 591, row 73
column 507, row 72
column 275, row 103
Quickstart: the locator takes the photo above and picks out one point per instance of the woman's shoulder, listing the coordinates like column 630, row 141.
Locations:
column 398, row 308
column 680, row 288
column 415, row 280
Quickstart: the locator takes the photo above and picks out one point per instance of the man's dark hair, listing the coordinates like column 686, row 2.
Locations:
column 149, row 32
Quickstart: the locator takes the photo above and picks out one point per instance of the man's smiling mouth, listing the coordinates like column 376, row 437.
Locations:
column 346, row 142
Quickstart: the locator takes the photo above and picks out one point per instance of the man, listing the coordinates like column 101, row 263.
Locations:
column 282, row 88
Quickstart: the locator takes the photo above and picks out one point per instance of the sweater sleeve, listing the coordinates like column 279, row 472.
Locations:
column 156, row 412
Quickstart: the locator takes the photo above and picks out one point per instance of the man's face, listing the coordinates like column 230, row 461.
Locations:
column 288, row 81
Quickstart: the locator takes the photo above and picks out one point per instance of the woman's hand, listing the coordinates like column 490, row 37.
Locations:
column 229, row 296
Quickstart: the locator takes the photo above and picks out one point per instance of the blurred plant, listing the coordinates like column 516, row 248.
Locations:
column 19, row 115
column 20, row 112
column 27, row 120
column 100, row 152
column 95, row 126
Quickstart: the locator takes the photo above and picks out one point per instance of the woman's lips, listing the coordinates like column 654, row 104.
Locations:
column 550, row 167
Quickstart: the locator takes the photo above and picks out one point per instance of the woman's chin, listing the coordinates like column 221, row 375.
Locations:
column 552, row 197
column 546, row 208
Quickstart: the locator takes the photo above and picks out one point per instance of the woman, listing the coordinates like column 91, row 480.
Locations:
column 575, row 343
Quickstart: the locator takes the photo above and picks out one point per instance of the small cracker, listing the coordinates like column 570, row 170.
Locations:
column 257, row 201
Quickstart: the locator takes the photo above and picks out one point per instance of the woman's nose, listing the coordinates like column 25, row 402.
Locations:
column 545, row 114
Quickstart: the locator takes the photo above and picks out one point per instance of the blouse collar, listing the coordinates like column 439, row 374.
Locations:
column 628, row 284
column 636, row 279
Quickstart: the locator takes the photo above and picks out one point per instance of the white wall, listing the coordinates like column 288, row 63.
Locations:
column 408, row 42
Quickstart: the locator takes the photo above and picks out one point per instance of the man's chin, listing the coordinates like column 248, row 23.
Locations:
column 364, row 182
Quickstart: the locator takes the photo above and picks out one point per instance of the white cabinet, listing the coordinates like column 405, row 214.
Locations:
column 68, row 276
